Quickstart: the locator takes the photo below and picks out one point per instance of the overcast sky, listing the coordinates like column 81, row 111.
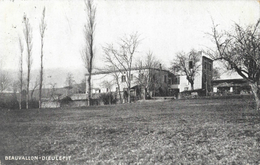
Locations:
column 165, row 27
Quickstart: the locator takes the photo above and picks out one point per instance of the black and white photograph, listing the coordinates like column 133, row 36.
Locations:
column 137, row 82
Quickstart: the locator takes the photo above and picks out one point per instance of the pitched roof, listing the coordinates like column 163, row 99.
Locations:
column 100, row 71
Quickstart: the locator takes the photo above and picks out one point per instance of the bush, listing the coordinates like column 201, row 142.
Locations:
column 108, row 98
column 9, row 104
column 33, row 104
column 65, row 100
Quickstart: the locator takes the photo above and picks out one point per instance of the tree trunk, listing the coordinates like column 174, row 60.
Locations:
column 21, row 82
column 109, row 96
column 144, row 91
column 192, row 85
column 28, row 92
column 41, row 80
column 120, row 95
column 20, row 101
column 255, row 90
column 129, row 96
column 21, row 90
column 89, row 89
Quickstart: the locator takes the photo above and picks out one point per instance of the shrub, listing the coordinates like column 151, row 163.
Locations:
column 65, row 100
column 33, row 104
column 9, row 103
column 108, row 98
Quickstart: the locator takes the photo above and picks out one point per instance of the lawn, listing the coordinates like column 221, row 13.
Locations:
column 202, row 131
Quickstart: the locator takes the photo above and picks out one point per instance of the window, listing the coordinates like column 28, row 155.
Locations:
column 170, row 81
column 205, row 65
column 210, row 67
column 123, row 78
column 131, row 77
column 141, row 75
column 176, row 80
column 165, row 78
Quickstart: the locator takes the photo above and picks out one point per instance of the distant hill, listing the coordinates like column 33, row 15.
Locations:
column 57, row 75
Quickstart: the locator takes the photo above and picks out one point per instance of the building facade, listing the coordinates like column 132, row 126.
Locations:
column 155, row 81
column 203, row 78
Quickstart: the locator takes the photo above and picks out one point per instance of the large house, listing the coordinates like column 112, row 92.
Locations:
column 156, row 81
column 203, row 79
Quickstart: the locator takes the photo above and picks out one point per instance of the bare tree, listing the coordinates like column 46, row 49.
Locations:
column 108, row 85
column 35, row 85
column 69, row 82
column 53, row 91
column 216, row 74
column 187, row 63
column 121, row 58
column 116, row 76
column 148, row 77
column 43, row 26
column 82, row 86
column 88, row 52
column 21, row 72
column 28, row 41
column 15, row 86
column 239, row 51
column 5, row 81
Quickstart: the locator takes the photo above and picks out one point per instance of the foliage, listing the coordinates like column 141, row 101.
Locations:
column 66, row 100
column 108, row 98
column 10, row 103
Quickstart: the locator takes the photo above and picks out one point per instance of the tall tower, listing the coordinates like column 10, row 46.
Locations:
column 207, row 74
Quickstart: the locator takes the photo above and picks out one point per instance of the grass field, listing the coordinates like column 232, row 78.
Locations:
column 200, row 131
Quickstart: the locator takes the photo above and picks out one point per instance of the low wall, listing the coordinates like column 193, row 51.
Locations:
column 78, row 103
column 50, row 104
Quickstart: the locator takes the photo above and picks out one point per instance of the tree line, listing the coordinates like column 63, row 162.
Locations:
column 238, row 50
